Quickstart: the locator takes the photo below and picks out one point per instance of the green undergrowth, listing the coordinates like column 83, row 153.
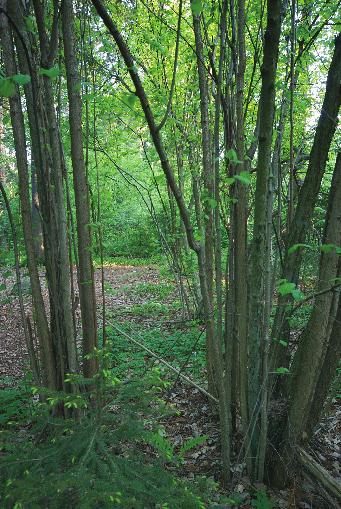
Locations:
column 110, row 450
column 127, row 261
column 184, row 348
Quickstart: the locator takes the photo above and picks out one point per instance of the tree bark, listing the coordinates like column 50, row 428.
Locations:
column 314, row 344
column 86, row 280
column 17, row 120
column 307, row 198
column 260, row 256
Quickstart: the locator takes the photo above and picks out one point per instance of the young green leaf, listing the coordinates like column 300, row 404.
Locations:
column 244, row 177
column 21, row 79
column 232, row 157
column 130, row 100
column 7, row 87
column 327, row 248
column 297, row 294
column 230, row 180
column 212, row 202
column 282, row 371
column 196, row 6
column 286, row 288
column 30, row 23
column 296, row 247
column 191, row 443
column 51, row 73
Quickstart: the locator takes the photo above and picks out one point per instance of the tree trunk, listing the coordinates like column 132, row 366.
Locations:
column 86, row 282
column 17, row 119
column 260, row 256
column 314, row 344
column 307, row 198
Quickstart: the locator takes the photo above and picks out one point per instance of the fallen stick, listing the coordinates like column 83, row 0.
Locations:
column 329, row 482
column 169, row 366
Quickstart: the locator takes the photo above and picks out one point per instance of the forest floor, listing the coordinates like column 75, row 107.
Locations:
column 142, row 304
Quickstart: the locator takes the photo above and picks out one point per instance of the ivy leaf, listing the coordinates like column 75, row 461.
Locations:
column 197, row 7
column 296, row 247
column 51, row 73
column 244, row 177
column 7, row 87
column 282, row 371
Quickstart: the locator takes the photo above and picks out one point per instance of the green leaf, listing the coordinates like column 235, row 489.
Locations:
column 21, row 79
column 197, row 7
column 30, row 23
column 232, row 157
column 88, row 97
column 130, row 100
column 297, row 294
column 230, row 180
column 282, row 371
column 286, row 288
column 327, row 248
column 283, row 343
column 2, row 287
column 7, row 87
column 262, row 501
column 51, row 73
column 296, row 247
column 191, row 443
column 244, row 177
column 212, row 202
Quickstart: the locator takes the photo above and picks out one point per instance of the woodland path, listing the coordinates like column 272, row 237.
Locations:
column 124, row 304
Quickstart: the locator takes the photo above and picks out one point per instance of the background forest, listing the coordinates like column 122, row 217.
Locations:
column 170, row 241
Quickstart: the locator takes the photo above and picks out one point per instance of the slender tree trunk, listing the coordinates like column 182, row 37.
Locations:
column 86, row 282
column 54, row 214
column 307, row 198
column 310, row 356
column 208, row 241
column 36, row 219
column 17, row 119
column 260, row 255
column 240, row 223
column 28, row 337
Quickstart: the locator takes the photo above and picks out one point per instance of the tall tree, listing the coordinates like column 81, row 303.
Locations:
column 260, row 257
column 86, row 274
